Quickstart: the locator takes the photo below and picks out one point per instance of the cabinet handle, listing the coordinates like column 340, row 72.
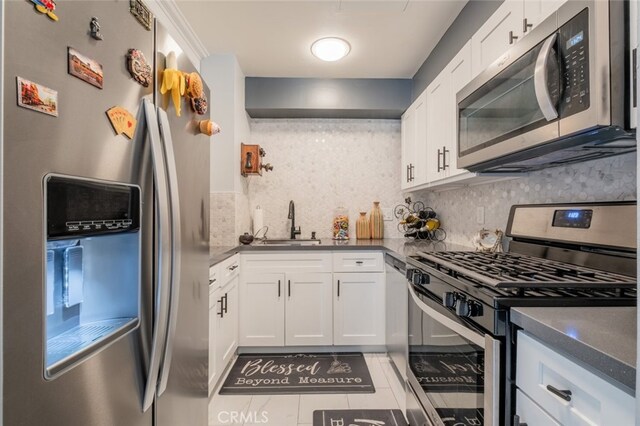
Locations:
column 221, row 313
column 225, row 302
column 564, row 394
column 411, row 172
column 338, row 289
column 407, row 173
column 438, row 159
column 232, row 267
column 634, row 58
column 359, row 262
column 444, row 158
column 289, row 287
column 279, row 289
column 526, row 26
column 512, row 38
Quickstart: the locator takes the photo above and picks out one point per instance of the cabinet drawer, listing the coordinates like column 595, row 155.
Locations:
column 229, row 269
column 541, row 373
column 530, row 413
column 286, row 262
column 367, row 261
column 214, row 276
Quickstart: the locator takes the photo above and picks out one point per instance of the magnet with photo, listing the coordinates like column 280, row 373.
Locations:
column 85, row 68
column 37, row 97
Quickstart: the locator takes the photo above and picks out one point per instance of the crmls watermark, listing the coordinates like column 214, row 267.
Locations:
column 239, row 417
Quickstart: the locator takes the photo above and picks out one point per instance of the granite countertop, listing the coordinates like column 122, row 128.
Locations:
column 604, row 338
column 396, row 247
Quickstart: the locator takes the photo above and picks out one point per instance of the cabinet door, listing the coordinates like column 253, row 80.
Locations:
column 497, row 34
column 215, row 306
column 359, row 315
column 459, row 74
column 438, row 125
column 308, row 309
column 262, row 309
column 419, row 175
column 536, row 11
column 229, row 338
column 407, row 130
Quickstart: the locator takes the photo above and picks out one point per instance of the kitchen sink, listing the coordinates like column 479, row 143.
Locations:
column 289, row 242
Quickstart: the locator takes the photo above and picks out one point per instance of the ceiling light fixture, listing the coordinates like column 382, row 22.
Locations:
column 330, row 49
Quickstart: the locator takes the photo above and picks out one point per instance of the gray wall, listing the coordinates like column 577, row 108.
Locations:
column 470, row 19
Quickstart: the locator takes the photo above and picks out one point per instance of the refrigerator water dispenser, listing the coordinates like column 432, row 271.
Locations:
column 92, row 283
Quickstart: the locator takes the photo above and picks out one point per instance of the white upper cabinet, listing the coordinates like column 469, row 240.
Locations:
column 414, row 136
column 494, row 38
column 442, row 130
column 536, row 11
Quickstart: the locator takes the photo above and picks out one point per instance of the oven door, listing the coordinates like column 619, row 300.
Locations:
column 453, row 369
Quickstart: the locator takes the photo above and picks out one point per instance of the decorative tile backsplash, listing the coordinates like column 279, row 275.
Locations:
column 321, row 164
column 609, row 179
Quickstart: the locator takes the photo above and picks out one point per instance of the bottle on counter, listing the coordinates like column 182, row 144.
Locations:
column 363, row 228
column 341, row 224
column 376, row 221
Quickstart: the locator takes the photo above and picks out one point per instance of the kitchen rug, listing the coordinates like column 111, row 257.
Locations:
column 451, row 371
column 277, row 374
column 359, row 418
column 461, row 416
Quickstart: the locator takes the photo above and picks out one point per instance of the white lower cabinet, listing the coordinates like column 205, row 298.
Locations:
column 292, row 309
column 223, row 328
column 359, row 309
column 261, row 309
column 529, row 413
column 567, row 392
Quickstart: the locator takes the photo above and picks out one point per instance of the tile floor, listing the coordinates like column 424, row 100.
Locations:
column 297, row 410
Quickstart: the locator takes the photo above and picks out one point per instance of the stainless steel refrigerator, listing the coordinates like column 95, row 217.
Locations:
column 134, row 269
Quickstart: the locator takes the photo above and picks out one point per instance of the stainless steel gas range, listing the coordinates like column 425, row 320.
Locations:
column 461, row 344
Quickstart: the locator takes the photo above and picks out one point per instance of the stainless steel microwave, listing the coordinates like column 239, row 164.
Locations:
column 560, row 95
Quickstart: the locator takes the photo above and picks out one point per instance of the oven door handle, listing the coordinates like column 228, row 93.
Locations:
column 540, row 82
column 460, row 329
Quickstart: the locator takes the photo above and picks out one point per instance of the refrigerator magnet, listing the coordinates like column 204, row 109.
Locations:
column 199, row 105
column 84, row 68
column 37, row 97
column 138, row 67
column 46, row 7
column 122, row 121
column 141, row 13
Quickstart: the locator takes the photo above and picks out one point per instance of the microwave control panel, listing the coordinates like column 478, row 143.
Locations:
column 573, row 45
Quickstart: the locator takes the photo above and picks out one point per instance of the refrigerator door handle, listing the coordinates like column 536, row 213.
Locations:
column 164, row 258
column 176, row 249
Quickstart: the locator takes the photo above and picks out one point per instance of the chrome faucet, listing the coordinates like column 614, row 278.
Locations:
column 292, row 216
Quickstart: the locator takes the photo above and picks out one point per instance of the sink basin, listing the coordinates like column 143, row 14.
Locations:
column 289, row 242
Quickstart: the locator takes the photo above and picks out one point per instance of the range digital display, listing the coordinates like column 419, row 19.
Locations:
column 572, row 218
column 576, row 39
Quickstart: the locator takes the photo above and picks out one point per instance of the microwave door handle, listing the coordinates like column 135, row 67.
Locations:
column 460, row 329
column 540, row 80
column 164, row 248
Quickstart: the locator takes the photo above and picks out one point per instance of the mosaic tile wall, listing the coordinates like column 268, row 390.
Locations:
column 321, row 164
column 608, row 179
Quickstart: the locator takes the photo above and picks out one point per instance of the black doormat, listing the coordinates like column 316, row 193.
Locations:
column 298, row 373
column 451, row 371
column 359, row 418
column 461, row 416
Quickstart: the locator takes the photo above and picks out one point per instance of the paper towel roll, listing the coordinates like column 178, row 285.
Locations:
column 258, row 219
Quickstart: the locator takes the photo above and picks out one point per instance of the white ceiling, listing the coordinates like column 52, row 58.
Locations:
column 389, row 39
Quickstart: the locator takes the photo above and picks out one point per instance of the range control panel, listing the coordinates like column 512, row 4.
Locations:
column 573, row 44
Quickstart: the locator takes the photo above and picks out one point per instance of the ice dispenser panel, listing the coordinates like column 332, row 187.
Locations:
column 92, row 283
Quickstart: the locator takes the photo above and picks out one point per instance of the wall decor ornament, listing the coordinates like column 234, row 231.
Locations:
column 37, row 97
column 85, row 68
column 138, row 67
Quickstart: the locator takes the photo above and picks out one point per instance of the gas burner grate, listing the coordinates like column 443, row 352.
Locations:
column 517, row 271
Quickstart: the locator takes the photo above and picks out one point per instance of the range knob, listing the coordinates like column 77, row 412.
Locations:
column 409, row 274
column 468, row 308
column 449, row 299
column 420, row 278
